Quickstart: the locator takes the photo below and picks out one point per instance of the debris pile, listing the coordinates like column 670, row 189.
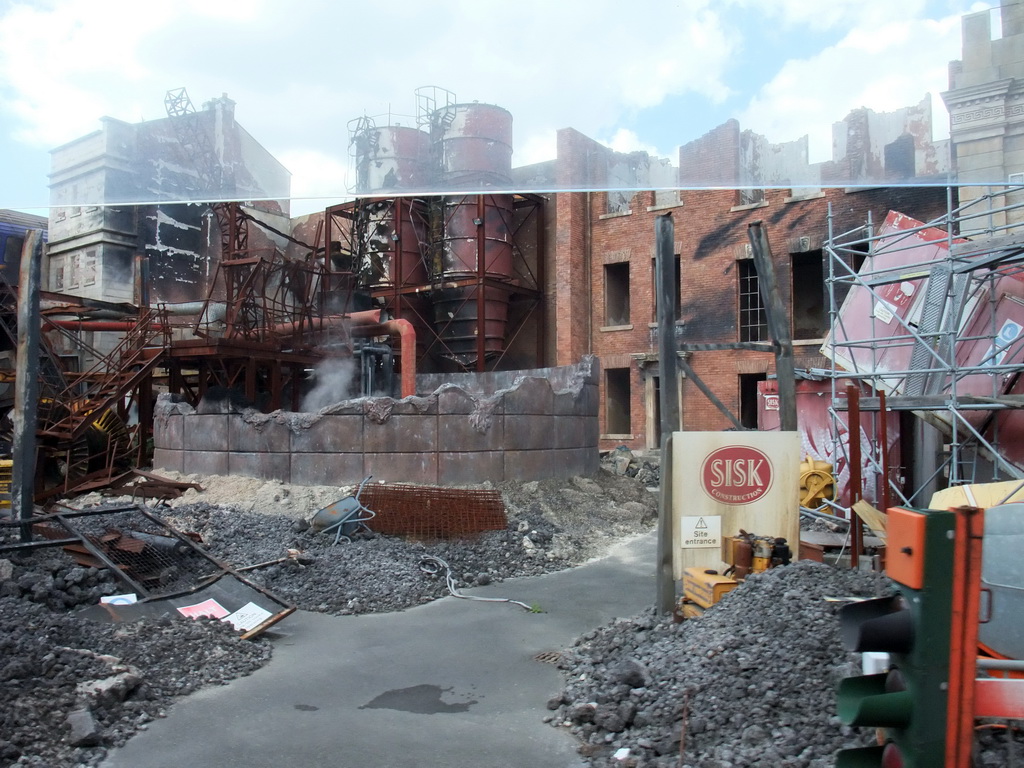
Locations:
column 752, row 682
column 73, row 688
column 645, row 466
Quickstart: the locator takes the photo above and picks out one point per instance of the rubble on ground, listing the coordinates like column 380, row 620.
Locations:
column 752, row 682
column 51, row 660
column 645, row 466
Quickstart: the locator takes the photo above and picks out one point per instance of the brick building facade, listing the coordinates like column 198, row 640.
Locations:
column 603, row 282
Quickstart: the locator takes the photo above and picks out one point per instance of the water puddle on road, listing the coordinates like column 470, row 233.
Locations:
column 420, row 700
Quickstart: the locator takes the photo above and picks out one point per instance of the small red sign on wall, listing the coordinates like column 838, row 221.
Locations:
column 736, row 474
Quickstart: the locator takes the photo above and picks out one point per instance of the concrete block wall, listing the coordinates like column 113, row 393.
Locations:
column 510, row 425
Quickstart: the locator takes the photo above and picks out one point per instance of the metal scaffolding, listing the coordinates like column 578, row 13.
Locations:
column 927, row 328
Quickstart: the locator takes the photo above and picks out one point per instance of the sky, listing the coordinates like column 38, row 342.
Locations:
column 644, row 75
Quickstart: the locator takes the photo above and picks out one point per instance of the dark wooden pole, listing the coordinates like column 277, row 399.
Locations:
column 26, row 385
column 778, row 325
column 665, row 275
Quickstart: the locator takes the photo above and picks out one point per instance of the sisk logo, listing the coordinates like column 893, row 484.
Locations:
column 736, row 474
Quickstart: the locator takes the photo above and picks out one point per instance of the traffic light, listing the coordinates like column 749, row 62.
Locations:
column 908, row 704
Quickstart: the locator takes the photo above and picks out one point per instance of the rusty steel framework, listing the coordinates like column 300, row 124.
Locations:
column 401, row 266
column 91, row 425
column 921, row 368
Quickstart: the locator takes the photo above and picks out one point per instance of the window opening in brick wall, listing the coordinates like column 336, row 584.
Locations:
column 654, row 290
column 810, row 320
column 855, row 257
column 748, row 398
column 753, row 322
column 616, row 398
column 616, row 293
column 749, row 196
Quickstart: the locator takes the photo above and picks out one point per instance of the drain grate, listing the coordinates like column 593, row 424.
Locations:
column 548, row 657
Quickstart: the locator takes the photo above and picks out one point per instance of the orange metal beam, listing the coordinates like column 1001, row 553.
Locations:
column 963, row 647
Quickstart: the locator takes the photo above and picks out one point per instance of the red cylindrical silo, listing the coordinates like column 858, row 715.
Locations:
column 476, row 147
column 475, row 154
column 390, row 158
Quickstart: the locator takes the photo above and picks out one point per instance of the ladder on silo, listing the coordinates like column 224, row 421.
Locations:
column 430, row 112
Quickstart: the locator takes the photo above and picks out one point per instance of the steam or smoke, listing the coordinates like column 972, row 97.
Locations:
column 333, row 379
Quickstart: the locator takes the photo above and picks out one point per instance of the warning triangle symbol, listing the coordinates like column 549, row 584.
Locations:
column 701, row 523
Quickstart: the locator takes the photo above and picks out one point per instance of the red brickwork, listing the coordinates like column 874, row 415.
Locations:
column 710, row 237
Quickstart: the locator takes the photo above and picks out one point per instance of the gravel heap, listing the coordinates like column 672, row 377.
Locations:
column 752, row 682
column 73, row 688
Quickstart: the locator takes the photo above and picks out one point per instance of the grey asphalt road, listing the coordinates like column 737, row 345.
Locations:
column 453, row 684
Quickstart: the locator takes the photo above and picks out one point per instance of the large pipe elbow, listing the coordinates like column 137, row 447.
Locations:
column 406, row 334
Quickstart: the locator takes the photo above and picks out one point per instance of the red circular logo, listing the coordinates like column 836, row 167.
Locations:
column 736, row 474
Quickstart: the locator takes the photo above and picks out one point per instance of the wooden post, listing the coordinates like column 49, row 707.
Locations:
column 26, row 384
column 778, row 325
column 664, row 257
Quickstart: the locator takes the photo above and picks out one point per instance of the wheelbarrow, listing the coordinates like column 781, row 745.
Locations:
column 344, row 517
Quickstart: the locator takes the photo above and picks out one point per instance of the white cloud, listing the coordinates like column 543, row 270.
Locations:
column 300, row 71
column 882, row 67
column 626, row 140
column 316, row 179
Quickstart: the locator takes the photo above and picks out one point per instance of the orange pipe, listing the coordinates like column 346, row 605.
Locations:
column 98, row 325
column 368, row 316
column 406, row 334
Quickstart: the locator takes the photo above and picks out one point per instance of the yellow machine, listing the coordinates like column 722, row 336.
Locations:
column 817, row 484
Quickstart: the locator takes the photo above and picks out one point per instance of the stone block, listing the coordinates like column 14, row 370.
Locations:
column 528, row 432
column 418, row 468
column 590, row 401
column 169, row 432
column 206, row 432
column 590, row 367
column 460, row 434
column 531, row 396
column 591, row 431
column 570, row 432
column 580, row 461
column 267, row 437
column 205, row 462
column 401, row 434
column 168, row 460
column 470, row 468
column 567, row 402
column 266, row 466
column 532, row 465
column 343, row 433
column 327, row 468
column 451, row 399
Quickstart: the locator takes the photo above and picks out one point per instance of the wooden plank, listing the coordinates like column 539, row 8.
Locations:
column 982, row 495
column 873, row 518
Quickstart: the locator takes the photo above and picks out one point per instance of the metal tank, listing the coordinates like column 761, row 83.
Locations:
column 391, row 233
column 474, row 145
column 390, row 158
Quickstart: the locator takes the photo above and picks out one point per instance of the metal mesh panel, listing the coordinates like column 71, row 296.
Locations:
column 143, row 549
column 433, row 513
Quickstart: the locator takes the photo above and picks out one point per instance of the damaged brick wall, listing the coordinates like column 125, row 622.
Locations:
column 512, row 425
column 711, row 237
